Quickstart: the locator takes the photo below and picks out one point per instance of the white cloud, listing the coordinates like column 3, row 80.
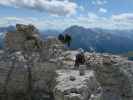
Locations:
column 99, row 2
column 56, row 7
column 92, row 16
column 122, row 21
column 123, row 17
column 81, row 8
column 102, row 10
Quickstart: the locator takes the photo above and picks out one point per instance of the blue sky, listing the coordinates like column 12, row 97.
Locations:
column 60, row 14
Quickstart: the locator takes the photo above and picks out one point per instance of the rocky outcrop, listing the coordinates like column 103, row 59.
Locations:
column 72, row 86
column 108, row 77
column 26, row 78
column 114, row 74
column 26, row 73
column 54, row 46
column 25, row 37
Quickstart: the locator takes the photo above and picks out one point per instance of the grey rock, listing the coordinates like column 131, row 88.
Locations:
column 25, row 37
column 72, row 78
column 114, row 75
column 79, row 89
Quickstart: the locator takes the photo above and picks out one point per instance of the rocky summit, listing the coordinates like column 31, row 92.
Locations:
column 113, row 76
column 25, row 37
column 36, row 69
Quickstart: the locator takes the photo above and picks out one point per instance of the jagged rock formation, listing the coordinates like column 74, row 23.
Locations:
column 25, row 70
column 114, row 74
column 25, row 37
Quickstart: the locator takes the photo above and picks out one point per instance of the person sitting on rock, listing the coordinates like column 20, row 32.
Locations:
column 80, row 58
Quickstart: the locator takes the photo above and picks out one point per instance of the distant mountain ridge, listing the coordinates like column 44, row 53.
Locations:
column 50, row 32
column 102, row 40
column 99, row 39
column 124, row 33
column 3, row 30
column 7, row 29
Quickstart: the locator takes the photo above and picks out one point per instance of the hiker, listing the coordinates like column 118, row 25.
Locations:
column 80, row 58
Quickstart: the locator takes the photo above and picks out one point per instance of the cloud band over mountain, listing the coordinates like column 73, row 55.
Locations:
column 55, row 7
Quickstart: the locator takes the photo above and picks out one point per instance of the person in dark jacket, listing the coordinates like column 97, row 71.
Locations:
column 80, row 58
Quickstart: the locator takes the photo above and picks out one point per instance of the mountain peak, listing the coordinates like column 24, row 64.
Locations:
column 7, row 29
column 100, row 39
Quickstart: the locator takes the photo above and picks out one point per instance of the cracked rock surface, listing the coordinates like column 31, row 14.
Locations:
column 79, row 89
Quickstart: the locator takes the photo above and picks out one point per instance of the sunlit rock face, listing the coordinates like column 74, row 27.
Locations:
column 72, row 86
column 113, row 73
column 54, row 47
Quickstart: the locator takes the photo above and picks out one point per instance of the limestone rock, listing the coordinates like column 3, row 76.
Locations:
column 82, row 69
column 114, row 73
column 79, row 89
column 23, row 36
column 108, row 77
column 72, row 78
column 19, row 71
